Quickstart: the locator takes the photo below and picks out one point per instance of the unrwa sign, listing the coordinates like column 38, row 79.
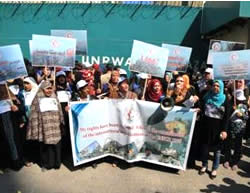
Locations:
column 116, row 61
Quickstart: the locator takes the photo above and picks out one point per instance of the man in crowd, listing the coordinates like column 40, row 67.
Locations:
column 202, row 84
column 124, row 92
column 111, row 88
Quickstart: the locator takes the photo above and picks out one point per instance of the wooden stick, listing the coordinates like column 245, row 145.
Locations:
column 144, row 89
column 234, row 93
column 54, row 78
column 11, row 102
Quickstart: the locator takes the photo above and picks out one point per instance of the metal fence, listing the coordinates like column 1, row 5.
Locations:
column 163, row 3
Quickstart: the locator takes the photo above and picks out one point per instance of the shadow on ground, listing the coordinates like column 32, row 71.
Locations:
column 245, row 169
column 230, row 186
column 68, row 163
column 246, row 150
column 244, row 165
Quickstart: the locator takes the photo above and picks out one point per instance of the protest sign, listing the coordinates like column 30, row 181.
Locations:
column 148, row 58
column 11, row 63
column 79, row 35
column 5, row 106
column 63, row 96
column 48, row 104
column 223, row 46
column 233, row 65
column 52, row 51
column 131, row 130
column 178, row 57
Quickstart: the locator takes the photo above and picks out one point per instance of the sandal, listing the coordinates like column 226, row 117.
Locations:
column 213, row 174
column 235, row 167
column 202, row 170
column 28, row 164
column 226, row 165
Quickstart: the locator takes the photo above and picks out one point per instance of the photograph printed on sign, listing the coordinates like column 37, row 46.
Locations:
column 233, row 65
column 148, row 58
column 52, row 51
column 223, row 46
column 11, row 63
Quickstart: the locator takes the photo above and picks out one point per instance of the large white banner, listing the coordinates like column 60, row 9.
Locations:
column 131, row 130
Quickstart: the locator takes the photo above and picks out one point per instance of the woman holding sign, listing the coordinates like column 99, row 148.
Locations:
column 46, row 125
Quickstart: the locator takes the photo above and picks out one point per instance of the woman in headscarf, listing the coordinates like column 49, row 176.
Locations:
column 64, row 94
column 191, row 101
column 183, row 93
column 28, row 93
column 46, row 125
column 154, row 91
column 214, row 122
column 241, row 85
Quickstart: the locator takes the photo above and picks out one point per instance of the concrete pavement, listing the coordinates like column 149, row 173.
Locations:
column 139, row 178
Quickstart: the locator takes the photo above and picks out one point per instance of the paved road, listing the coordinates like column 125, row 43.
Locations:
column 139, row 178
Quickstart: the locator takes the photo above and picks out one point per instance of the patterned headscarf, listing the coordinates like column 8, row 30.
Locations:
column 45, row 84
column 216, row 98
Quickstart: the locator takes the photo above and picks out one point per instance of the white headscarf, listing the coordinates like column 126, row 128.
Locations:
column 29, row 95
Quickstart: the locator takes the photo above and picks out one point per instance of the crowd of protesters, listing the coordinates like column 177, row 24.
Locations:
column 30, row 134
